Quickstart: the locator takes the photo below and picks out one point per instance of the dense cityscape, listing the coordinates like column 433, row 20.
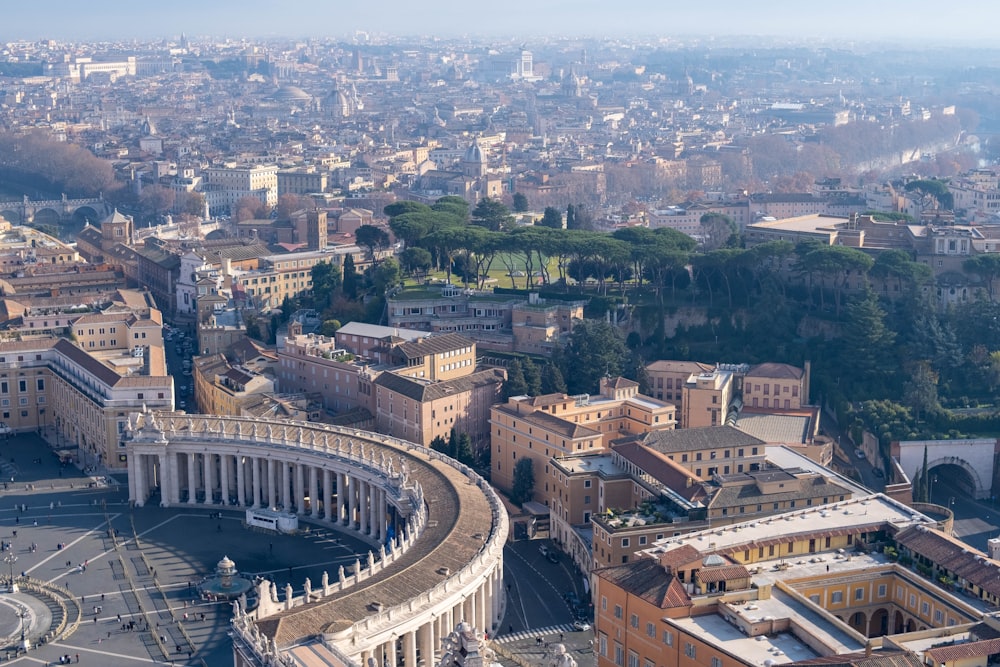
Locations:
column 675, row 351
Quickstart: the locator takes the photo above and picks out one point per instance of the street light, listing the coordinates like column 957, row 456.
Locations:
column 10, row 559
column 25, row 643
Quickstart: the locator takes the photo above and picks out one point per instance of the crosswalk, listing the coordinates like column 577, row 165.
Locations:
column 548, row 634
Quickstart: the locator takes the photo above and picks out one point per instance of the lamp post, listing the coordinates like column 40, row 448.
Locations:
column 25, row 642
column 10, row 559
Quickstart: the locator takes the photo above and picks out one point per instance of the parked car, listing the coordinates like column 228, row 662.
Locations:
column 860, row 454
column 571, row 598
column 6, row 431
column 553, row 556
column 544, row 550
column 581, row 625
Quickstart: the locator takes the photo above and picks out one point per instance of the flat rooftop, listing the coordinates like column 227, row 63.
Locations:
column 863, row 511
column 714, row 629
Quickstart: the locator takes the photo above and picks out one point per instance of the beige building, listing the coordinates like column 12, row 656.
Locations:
column 806, row 587
column 224, row 186
column 706, row 398
column 420, row 410
column 667, row 378
column 82, row 397
column 288, row 275
column 554, row 425
column 223, row 389
column 772, row 385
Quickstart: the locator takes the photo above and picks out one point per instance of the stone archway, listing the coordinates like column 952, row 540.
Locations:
column 878, row 625
column 11, row 216
column 898, row 623
column 959, row 470
column 46, row 216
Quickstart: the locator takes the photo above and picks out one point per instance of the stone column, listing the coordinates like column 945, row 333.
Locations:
column 352, row 503
column 410, row 649
column 469, row 609
column 255, row 469
column 313, row 491
column 241, row 480
column 427, row 643
column 286, row 486
column 192, row 475
column 207, row 461
column 364, row 507
column 133, row 476
column 483, row 620
column 328, row 495
column 390, row 652
column 383, row 513
column 174, row 475
column 341, row 496
column 300, row 489
column 225, row 465
column 272, row 488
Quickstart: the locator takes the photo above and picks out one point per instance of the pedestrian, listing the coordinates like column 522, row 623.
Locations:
column 78, row 657
column 560, row 637
column 510, row 629
column 119, row 618
column 102, row 597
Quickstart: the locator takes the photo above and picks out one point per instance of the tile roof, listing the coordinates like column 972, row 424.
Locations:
column 646, row 579
column 953, row 555
column 692, row 439
column 552, row 423
column 433, row 345
column 776, row 371
column 424, row 391
column 964, row 651
column 669, row 473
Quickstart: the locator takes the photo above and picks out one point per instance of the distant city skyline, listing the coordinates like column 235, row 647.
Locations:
column 914, row 22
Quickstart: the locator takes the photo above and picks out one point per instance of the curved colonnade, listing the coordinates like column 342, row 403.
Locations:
column 436, row 529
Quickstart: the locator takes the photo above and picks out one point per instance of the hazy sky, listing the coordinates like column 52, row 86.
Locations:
column 911, row 21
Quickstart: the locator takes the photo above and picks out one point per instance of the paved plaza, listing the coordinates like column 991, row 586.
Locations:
column 84, row 536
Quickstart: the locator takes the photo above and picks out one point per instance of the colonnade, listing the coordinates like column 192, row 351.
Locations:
column 261, row 480
column 366, row 482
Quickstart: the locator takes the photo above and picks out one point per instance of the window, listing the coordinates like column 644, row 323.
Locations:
column 22, row 385
column 40, row 383
column 603, row 642
column 689, row 649
column 625, row 542
column 618, row 611
column 938, row 616
column 668, row 638
column 604, row 603
column 619, row 654
column 925, row 608
column 837, row 597
column 634, row 620
column 881, row 590
column 633, row 659
column 650, row 630
column 716, row 662
column 859, row 594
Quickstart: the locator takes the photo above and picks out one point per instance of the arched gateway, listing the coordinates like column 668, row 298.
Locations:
column 436, row 530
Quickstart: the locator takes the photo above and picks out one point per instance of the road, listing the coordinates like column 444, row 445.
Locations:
column 976, row 521
column 535, row 588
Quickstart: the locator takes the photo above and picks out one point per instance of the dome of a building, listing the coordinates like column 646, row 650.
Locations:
column 290, row 94
column 474, row 154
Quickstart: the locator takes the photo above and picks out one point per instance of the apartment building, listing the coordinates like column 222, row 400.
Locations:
column 224, row 186
column 555, row 425
column 667, row 378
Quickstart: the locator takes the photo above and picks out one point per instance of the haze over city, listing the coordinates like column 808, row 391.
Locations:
column 896, row 21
